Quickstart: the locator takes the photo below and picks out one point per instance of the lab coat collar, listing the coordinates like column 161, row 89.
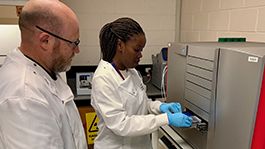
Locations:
column 52, row 74
column 57, row 87
column 19, row 57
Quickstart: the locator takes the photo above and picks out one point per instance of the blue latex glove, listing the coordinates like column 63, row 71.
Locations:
column 179, row 120
column 170, row 107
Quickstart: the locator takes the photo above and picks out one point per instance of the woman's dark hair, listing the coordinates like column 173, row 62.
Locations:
column 123, row 29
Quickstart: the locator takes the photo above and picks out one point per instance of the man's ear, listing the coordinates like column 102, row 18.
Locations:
column 46, row 41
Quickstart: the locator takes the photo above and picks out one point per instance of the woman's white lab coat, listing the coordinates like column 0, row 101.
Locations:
column 123, row 110
column 36, row 112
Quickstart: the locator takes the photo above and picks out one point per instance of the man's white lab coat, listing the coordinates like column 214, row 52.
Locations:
column 36, row 112
column 123, row 110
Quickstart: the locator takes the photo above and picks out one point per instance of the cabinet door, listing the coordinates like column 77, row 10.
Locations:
column 237, row 97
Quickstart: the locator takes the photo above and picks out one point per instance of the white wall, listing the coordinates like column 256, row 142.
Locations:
column 201, row 20
column 9, row 30
column 9, row 38
column 206, row 20
column 157, row 18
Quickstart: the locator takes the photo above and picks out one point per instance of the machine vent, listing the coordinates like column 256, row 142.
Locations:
column 198, row 82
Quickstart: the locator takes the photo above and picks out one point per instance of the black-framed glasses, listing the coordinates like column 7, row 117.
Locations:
column 75, row 43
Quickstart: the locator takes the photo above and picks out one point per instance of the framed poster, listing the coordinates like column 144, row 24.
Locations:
column 84, row 83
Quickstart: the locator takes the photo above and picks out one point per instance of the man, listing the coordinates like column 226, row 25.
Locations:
column 36, row 106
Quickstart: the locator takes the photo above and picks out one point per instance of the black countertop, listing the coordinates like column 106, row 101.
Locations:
column 151, row 91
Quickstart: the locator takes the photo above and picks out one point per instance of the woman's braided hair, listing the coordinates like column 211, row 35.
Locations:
column 123, row 29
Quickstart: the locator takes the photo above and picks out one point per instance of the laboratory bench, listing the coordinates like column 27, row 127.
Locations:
column 152, row 92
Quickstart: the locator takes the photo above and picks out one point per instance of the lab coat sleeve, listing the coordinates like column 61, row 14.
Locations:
column 108, row 104
column 153, row 106
column 27, row 124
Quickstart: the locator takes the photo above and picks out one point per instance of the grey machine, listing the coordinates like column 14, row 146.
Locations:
column 158, row 68
column 220, row 84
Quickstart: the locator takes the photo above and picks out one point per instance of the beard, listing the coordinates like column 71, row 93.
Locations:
column 60, row 65
column 60, row 62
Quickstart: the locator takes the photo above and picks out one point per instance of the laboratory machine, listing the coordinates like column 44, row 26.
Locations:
column 221, row 84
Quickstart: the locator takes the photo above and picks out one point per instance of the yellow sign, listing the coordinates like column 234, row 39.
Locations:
column 92, row 129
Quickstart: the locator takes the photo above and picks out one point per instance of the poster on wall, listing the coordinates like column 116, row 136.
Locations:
column 84, row 83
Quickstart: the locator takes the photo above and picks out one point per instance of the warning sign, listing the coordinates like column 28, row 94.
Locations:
column 92, row 129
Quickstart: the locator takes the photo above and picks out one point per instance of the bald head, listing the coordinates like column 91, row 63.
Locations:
column 48, row 30
column 52, row 15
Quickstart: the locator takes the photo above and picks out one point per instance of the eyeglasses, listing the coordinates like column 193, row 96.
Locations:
column 75, row 43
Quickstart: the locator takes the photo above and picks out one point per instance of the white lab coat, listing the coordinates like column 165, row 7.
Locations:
column 36, row 112
column 123, row 110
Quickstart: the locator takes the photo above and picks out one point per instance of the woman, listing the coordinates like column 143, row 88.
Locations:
column 126, row 115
